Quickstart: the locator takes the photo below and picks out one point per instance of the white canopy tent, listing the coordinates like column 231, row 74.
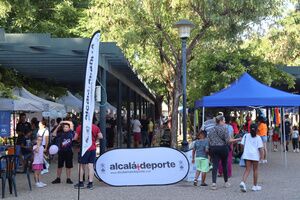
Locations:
column 71, row 102
column 110, row 109
column 52, row 109
column 20, row 104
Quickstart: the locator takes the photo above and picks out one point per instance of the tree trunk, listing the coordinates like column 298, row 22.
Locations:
column 175, row 98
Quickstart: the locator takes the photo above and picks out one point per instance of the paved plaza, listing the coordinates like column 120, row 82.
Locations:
column 279, row 182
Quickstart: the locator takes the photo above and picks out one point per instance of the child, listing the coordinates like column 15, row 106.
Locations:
column 38, row 160
column 295, row 139
column 275, row 138
column 200, row 149
column 65, row 153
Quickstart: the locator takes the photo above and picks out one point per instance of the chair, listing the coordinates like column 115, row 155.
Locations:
column 9, row 172
column 28, row 163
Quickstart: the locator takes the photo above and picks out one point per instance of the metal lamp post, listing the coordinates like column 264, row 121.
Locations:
column 184, row 29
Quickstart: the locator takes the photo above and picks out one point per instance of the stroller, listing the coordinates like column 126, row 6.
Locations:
column 165, row 140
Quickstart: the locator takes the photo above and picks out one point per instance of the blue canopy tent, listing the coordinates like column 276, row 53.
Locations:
column 246, row 91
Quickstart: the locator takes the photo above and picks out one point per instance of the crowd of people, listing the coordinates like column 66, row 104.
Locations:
column 220, row 139
column 35, row 139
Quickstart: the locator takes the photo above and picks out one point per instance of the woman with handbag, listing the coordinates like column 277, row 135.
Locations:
column 219, row 141
column 253, row 153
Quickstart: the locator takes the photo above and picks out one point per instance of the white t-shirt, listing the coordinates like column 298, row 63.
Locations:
column 41, row 132
column 136, row 126
column 251, row 148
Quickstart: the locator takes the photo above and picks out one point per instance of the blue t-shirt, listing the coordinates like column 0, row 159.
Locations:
column 65, row 141
column 200, row 146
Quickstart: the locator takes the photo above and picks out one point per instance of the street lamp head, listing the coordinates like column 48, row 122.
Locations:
column 184, row 28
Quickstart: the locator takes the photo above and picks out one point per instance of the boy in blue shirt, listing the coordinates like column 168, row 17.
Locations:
column 65, row 153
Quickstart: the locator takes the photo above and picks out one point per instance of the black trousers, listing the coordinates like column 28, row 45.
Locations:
column 218, row 153
column 295, row 143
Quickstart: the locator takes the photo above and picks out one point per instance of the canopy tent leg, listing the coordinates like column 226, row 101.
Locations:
column 195, row 131
column 284, row 138
column 203, row 116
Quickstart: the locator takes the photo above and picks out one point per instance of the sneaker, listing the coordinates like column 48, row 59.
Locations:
column 297, row 150
column 79, row 185
column 243, row 187
column 43, row 184
column 39, row 185
column 90, row 186
column 260, row 161
column 213, row 186
column 227, row 185
column 56, row 181
column 204, row 184
column 294, row 151
column 256, row 188
column 265, row 161
column 195, row 182
column 69, row 181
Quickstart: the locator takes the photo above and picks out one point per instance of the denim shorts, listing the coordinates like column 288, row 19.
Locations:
column 264, row 139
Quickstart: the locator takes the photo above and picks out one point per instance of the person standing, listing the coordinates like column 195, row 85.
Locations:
column 38, row 160
column 136, row 129
column 253, row 152
column 110, row 131
column 219, row 140
column 144, row 131
column 44, row 133
column 150, row 129
column 275, row 138
column 295, row 139
column 288, row 130
column 89, row 157
column 200, row 150
column 23, row 128
column 230, row 153
column 262, row 131
column 65, row 153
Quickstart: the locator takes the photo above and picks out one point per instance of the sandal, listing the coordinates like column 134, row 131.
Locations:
column 195, row 182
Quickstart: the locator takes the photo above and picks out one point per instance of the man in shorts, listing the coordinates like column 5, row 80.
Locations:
column 88, row 159
column 136, row 129
column 65, row 154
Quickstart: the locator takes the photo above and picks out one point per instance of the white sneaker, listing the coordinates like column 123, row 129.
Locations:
column 43, row 184
column 264, row 161
column 243, row 187
column 256, row 188
column 39, row 185
column 294, row 151
column 213, row 186
column 261, row 161
column 297, row 150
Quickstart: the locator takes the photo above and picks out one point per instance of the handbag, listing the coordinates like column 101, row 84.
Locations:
column 242, row 161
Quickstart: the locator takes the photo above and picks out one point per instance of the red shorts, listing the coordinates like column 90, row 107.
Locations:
column 136, row 136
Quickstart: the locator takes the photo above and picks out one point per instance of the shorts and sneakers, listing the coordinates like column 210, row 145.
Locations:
column 88, row 158
column 65, row 158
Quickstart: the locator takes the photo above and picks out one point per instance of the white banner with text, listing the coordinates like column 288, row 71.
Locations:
column 142, row 166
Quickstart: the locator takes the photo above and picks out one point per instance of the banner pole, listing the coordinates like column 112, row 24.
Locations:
column 88, row 103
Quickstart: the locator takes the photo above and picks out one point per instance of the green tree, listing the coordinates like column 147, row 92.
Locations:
column 58, row 17
column 282, row 43
column 223, row 66
column 144, row 29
